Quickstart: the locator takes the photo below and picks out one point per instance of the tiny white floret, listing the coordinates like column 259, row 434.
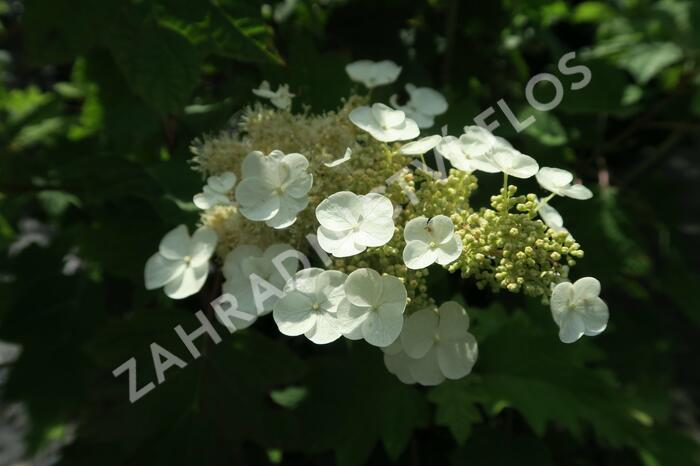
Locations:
column 384, row 123
column 181, row 264
column 430, row 241
column 351, row 223
column 372, row 308
column 558, row 181
column 578, row 310
column 274, row 188
column 373, row 74
column 216, row 191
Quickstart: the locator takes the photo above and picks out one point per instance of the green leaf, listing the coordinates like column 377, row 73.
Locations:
column 160, row 65
column 592, row 12
column 243, row 38
column 647, row 60
column 456, row 410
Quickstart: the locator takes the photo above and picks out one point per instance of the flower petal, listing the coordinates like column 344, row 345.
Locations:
column 418, row 334
column 416, row 229
column 550, row 216
column 399, row 365
column 571, row 327
column 325, row 331
column 340, row 211
column 562, row 296
column 203, row 244
column 382, row 327
column 386, row 116
column 454, row 322
column 418, row 255
column 222, row 183
column 350, row 319
column 257, row 201
column 428, row 100
column 440, row 228
column 426, row 370
column 552, row 179
column 176, row 243
column 339, row 244
column 577, row 191
column 421, row 146
column 449, row 251
column 364, row 287
column 188, row 283
column 159, row 271
column 293, row 315
column 477, row 141
column 456, row 358
column 586, row 288
column 595, row 316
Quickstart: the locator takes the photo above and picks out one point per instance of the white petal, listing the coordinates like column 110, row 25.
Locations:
column 514, row 163
column 340, row 211
column 552, row 179
column 188, row 283
column 373, row 74
column 571, row 328
column 223, row 182
column 287, row 213
column 421, row 146
column 454, row 322
column 393, row 294
column 382, row 327
column 448, row 252
column 159, row 271
column 386, row 116
column 451, row 148
column 343, row 159
column 562, row 297
column 477, row 141
column 416, row 229
column 426, row 370
column 484, row 163
column 440, row 228
column 202, row 201
column 577, row 191
column 350, row 319
column 550, row 216
column 203, row 244
column 418, row 255
column 293, row 315
column 456, row 358
column 339, row 244
column 399, row 365
column 364, row 287
column 427, row 100
column 419, row 331
column 176, row 243
column 423, row 120
column 325, row 331
column 586, row 288
column 254, row 164
column 257, row 201
column 595, row 316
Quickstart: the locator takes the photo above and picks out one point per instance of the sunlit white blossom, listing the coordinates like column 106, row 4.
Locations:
column 373, row 74
column 181, row 264
column 281, row 98
column 250, row 272
column 310, row 304
column 430, row 241
column 351, row 223
column 439, row 344
column 559, row 181
column 372, row 308
column 423, row 105
column 274, row 188
column 578, row 310
column 384, row 123
column 216, row 191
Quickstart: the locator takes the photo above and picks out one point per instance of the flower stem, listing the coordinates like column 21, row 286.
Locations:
column 505, row 195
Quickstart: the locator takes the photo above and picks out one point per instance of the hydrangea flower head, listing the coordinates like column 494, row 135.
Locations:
column 578, row 310
column 373, row 307
column 384, row 123
column 351, row 223
column 430, row 241
column 373, row 74
column 274, row 188
column 181, row 264
column 310, row 304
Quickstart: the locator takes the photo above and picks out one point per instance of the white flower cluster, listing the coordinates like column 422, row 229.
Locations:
column 424, row 345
